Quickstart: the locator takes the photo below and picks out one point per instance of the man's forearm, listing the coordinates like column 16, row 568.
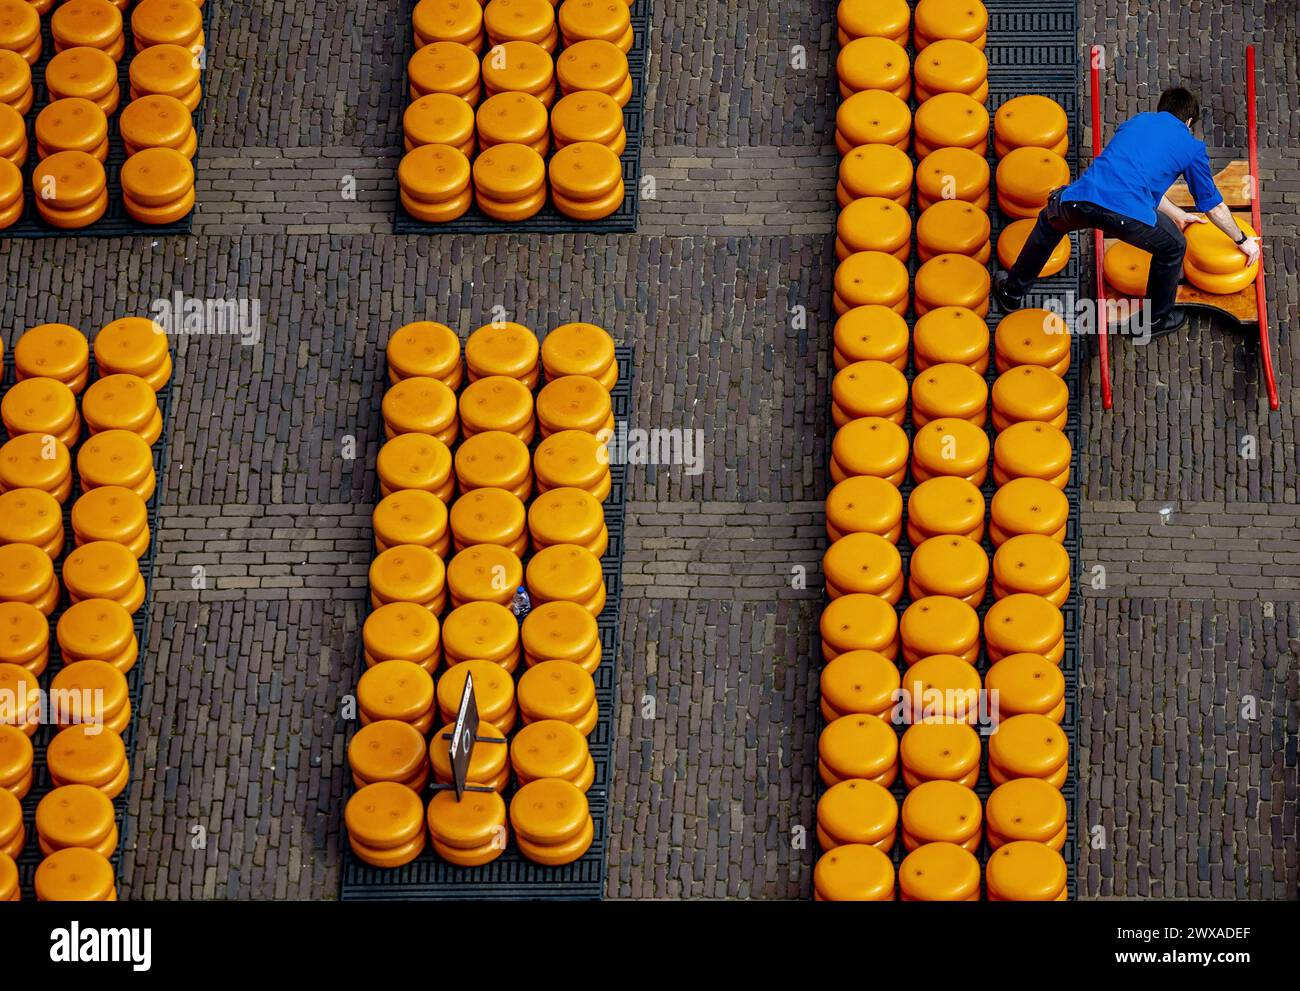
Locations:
column 1221, row 217
column 1170, row 210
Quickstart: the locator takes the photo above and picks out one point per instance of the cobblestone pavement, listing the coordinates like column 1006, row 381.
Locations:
column 239, row 734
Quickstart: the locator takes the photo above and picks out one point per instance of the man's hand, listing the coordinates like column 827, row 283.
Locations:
column 1185, row 220
column 1250, row 248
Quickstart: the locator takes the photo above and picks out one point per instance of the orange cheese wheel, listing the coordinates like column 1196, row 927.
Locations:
column 939, row 872
column 415, row 461
column 484, row 573
column 122, row 402
column 950, row 447
column 1027, row 683
column 1030, row 392
column 481, row 630
column 574, row 402
column 104, row 569
column 131, row 345
column 86, row 24
column 92, row 692
column 420, row 405
column 22, row 694
column 169, row 70
column 112, row 512
column 939, row 19
column 566, row 572
column 1012, row 241
column 940, row 624
column 590, row 209
column 953, row 174
column 875, row 170
column 497, row 402
column 872, row 278
column 72, row 179
column 951, row 334
column 548, row 812
column 1033, row 337
column 607, row 20
column 585, row 171
column 874, row 63
column 15, row 761
column 873, row 223
column 444, row 67
column 873, row 19
column 858, row 682
column 1031, row 121
column 587, row 115
column 32, row 461
column 596, row 65
column 940, row 811
column 945, row 505
column 1023, row 871
column 1026, row 809
column 869, row 446
column 550, row 748
column 1028, row 746
column 870, row 333
column 509, row 172
column 494, row 692
column 520, row 66
column 869, row 388
column 411, row 516
column 507, row 349
column 1127, row 268
column 1211, row 251
column 407, row 573
column 476, row 820
column 951, row 120
column 1024, row 623
column 863, row 563
column 1223, row 285
column 424, row 348
column 518, row 20
column 388, row 750
column 858, row 622
column 98, row 629
column 562, row 631
column 42, row 406
column 401, row 631
column 11, row 191
column 73, row 218
column 448, row 20
column 951, row 65
column 25, row 573
column 1032, row 449
column 578, row 349
column 489, row 516
column 858, row 746
column 13, row 833
column 568, row 516
column 167, row 22
column 24, row 635
column 89, row 755
column 1029, row 505
column 384, row 815
column 854, row 872
column 872, row 117
column 952, row 280
column 864, row 504
column 20, row 24
column 1027, row 176
column 949, row 390
column 433, row 173
column 950, row 565
column 9, row 891
column 944, row 687
column 573, row 458
column 494, row 459
column 857, row 812
column 75, row 874
column 487, row 763
column 556, row 690
column 15, row 81
column 439, row 118
column 1032, row 563
column 53, row 350
column 518, row 118
column 71, row 124
column 953, row 226
column 396, row 689
column 157, row 122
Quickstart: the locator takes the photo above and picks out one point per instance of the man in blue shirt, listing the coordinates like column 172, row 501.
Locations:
column 1123, row 194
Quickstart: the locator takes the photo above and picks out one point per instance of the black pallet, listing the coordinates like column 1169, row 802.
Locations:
column 116, row 222
column 30, row 856
column 513, row 876
column 1017, row 67
column 550, row 220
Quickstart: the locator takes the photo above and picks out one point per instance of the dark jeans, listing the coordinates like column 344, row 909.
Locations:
column 1164, row 241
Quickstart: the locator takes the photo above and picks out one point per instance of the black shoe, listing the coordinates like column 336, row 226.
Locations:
column 1005, row 300
column 1174, row 321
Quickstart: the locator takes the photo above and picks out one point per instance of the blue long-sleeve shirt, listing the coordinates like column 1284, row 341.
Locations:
column 1141, row 162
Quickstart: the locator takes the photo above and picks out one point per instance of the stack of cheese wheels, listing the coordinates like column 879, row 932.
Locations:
column 408, row 573
column 567, row 573
column 1024, row 623
column 167, row 70
column 498, row 403
column 871, row 278
column 1026, row 809
column 84, row 754
column 857, row 811
column 1028, row 505
column 1027, row 683
column 427, row 349
column 483, row 573
column 96, row 693
column 1030, row 392
column 949, row 390
column 939, row 872
column 863, row 563
column 1127, row 268
column 12, row 201
column 953, row 174
column 76, row 816
column 520, row 67
column 122, row 402
column 864, row 504
column 23, row 694
column 952, row 280
column 415, row 461
column 439, row 119
column 512, row 118
column 9, row 889
column 949, row 446
column 167, row 22
column 586, row 180
column 573, row 459
column 1214, row 264
column 943, row 750
column 561, row 631
column 940, row 811
column 116, row 457
column 873, row 63
column 858, row 682
column 1034, row 336
column 954, row 227
column 488, row 763
column 1031, row 121
column 15, row 82
column 89, row 24
column 858, row 622
column 158, row 185
column 389, row 750
column 27, row 575
column 871, row 445
column 468, row 832
column 398, row 689
column 870, row 333
column 1023, row 871
column 402, row 631
column 20, row 29
column 575, row 402
column 494, row 693
column 551, row 748
column 587, row 115
column 595, row 66
column 854, row 872
column 951, row 335
column 551, row 820
column 943, row 506
column 13, row 831
column 1032, row 563
column 1012, row 241
column 23, row 464
column 134, row 346
column 580, row 349
column 949, row 565
column 601, row 20
column 98, row 629
column 952, row 66
column 459, row 21
column 873, row 19
column 875, row 170
column 872, row 117
column 966, row 20
column 510, row 182
column 939, row 624
column 939, row 689
column 26, row 637
column 559, row 690
column 435, row 183
column 445, row 67
column 503, row 349
column 71, row 189
column 385, row 823
column 494, row 459
column 521, row 20
column 53, row 350
column 1032, row 449
column 72, row 124
column 42, row 406
column 1025, row 180
column 858, row 745
column 16, row 757
column 873, row 223
column 482, row 630
column 104, row 569
column 489, row 516
column 75, row 874
column 419, row 405
column 86, row 74
column 13, row 137
column 411, row 516
column 1028, row 746
column 951, row 120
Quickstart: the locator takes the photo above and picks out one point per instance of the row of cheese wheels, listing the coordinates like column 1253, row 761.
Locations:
column 519, row 123
column 416, row 668
column 1212, row 263
column 70, row 183
column 88, row 698
column 860, row 753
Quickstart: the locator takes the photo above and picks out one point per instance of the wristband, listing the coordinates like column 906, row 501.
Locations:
column 1243, row 240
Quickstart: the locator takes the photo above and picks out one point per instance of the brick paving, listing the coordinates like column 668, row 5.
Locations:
column 240, row 768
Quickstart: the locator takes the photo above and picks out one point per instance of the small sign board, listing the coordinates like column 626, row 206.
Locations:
column 463, row 736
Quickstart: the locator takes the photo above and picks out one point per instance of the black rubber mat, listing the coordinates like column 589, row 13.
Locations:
column 30, row 855
column 513, row 876
column 549, row 220
column 116, row 222
column 1029, row 51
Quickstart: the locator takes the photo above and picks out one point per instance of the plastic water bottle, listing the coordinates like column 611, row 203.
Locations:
column 522, row 603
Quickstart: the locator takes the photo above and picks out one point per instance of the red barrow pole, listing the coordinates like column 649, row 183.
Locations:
column 1252, row 143
column 1099, row 247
